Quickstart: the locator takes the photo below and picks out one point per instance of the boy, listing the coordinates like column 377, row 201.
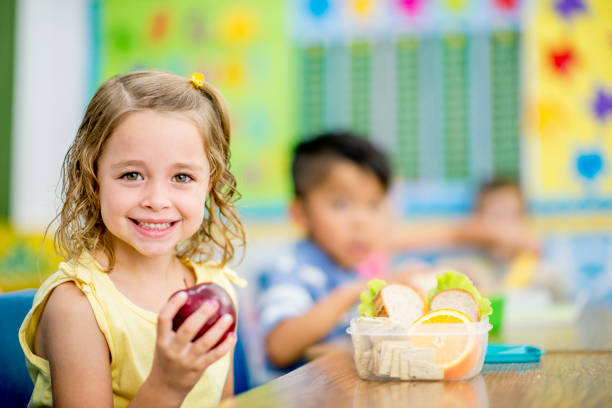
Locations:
column 499, row 228
column 340, row 184
column 500, row 206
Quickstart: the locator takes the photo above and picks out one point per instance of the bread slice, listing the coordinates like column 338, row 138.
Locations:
column 456, row 299
column 400, row 303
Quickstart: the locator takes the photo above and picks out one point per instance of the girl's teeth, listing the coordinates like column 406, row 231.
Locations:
column 154, row 226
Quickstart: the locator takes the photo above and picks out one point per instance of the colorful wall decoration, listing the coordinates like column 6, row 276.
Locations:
column 459, row 92
column 435, row 83
column 24, row 260
column 241, row 47
column 568, row 124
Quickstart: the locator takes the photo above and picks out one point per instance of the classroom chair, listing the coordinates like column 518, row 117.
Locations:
column 15, row 383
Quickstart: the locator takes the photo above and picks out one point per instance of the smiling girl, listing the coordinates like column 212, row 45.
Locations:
column 147, row 209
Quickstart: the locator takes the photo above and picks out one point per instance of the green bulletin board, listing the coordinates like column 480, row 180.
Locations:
column 241, row 47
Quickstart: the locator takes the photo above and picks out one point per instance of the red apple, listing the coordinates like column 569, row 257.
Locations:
column 198, row 294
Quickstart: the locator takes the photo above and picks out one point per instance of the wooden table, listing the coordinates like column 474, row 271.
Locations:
column 576, row 371
column 561, row 379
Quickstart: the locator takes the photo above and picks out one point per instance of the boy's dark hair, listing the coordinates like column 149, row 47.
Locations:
column 498, row 184
column 313, row 158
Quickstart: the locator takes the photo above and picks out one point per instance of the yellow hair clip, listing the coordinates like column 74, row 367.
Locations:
column 197, row 80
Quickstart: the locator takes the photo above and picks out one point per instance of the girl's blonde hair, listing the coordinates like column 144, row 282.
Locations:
column 80, row 221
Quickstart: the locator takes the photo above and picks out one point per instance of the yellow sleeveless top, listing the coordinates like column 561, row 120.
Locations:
column 130, row 333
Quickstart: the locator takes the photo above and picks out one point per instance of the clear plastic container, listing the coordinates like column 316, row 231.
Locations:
column 385, row 350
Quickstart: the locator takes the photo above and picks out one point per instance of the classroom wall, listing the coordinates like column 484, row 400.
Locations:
column 290, row 67
column 324, row 75
column 50, row 91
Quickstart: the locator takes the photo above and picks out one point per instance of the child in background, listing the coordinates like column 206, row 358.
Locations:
column 340, row 184
column 501, row 210
column 147, row 210
column 501, row 206
column 498, row 226
column 508, row 247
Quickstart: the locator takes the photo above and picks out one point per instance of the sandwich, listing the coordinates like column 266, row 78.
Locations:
column 403, row 304
column 456, row 291
column 400, row 303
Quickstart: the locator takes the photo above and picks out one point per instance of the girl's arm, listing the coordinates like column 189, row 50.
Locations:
column 79, row 358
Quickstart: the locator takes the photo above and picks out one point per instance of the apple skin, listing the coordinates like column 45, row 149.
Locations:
column 196, row 296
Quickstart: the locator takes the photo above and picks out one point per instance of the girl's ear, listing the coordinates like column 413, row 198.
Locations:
column 298, row 212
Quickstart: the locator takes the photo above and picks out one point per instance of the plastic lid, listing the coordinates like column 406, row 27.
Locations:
column 429, row 329
column 512, row 353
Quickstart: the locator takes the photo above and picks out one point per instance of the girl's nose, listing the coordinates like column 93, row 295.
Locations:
column 156, row 196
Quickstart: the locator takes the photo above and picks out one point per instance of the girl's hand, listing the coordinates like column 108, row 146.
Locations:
column 178, row 362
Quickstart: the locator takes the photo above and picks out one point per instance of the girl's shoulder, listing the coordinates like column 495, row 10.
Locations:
column 82, row 272
column 62, row 300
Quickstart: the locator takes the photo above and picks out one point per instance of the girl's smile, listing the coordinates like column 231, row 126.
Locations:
column 154, row 228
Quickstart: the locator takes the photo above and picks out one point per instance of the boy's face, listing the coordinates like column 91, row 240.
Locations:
column 504, row 210
column 346, row 214
column 502, row 205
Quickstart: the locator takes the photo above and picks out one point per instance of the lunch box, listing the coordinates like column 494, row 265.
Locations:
column 385, row 350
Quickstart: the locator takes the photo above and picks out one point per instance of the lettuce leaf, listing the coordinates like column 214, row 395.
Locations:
column 456, row 280
column 366, row 307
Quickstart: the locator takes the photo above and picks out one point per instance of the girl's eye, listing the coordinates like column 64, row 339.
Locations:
column 132, row 176
column 182, row 178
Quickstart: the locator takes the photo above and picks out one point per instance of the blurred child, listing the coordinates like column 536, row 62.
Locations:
column 340, row 184
column 148, row 209
column 501, row 213
column 498, row 225
column 508, row 248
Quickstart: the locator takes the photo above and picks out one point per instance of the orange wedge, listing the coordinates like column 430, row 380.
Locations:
column 456, row 353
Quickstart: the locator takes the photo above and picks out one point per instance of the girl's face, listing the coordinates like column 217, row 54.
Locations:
column 154, row 178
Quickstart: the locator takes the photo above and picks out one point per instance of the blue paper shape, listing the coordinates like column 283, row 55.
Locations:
column 589, row 165
column 318, row 7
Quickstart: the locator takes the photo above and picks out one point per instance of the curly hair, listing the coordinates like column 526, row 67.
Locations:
column 80, row 221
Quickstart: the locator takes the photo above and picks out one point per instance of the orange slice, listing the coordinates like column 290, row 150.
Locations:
column 456, row 353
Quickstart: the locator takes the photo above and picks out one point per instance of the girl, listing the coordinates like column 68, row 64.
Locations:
column 147, row 209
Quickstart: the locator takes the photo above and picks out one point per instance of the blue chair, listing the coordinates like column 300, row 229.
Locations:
column 241, row 368
column 15, row 383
